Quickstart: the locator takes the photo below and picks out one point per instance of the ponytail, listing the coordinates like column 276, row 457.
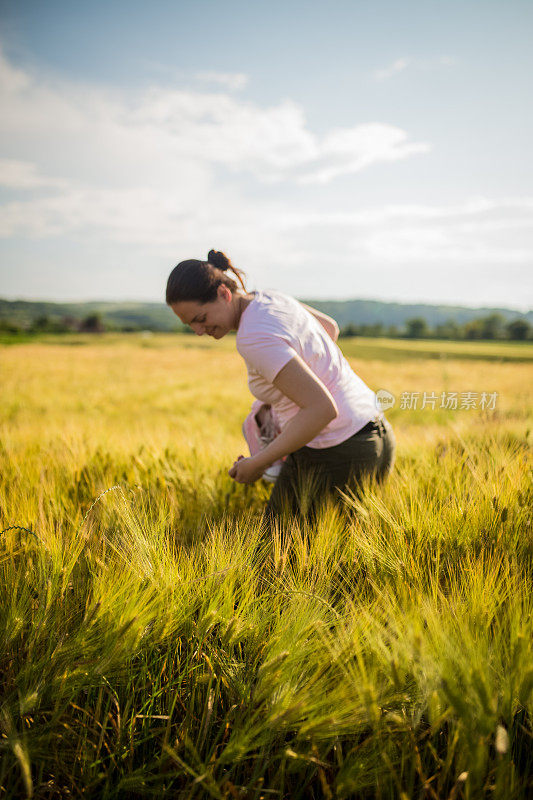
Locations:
column 199, row 280
column 222, row 262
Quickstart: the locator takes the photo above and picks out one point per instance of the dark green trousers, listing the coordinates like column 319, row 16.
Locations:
column 309, row 475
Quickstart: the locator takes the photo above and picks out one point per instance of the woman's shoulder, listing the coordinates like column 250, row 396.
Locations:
column 270, row 313
column 270, row 301
column 269, row 307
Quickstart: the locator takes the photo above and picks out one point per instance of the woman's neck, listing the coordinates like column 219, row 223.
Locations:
column 242, row 301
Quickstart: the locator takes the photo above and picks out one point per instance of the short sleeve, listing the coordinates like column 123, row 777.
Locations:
column 267, row 354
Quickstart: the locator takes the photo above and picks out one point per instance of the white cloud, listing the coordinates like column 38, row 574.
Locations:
column 143, row 167
column 23, row 175
column 481, row 209
column 140, row 178
column 397, row 66
column 12, row 79
column 475, row 252
column 428, row 232
column 91, row 136
column 351, row 150
column 401, row 64
column 231, row 80
column 478, row 251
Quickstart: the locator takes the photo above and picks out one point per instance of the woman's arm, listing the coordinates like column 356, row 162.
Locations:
column 328, row 323
column 317, row 408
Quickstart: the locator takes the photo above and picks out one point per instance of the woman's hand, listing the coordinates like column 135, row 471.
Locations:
column 317, row 408
column 246, row 470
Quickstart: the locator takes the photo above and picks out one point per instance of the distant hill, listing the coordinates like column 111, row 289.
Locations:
column 158, row 317
column 371, row 312
column 150, row 316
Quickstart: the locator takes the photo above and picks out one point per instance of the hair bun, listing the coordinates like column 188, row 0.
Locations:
column 218, row 259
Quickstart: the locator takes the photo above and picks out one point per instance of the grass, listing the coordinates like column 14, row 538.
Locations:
column 405, row 349
column 157, row 640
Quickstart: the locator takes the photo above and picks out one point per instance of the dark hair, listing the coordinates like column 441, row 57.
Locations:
column 199, row 280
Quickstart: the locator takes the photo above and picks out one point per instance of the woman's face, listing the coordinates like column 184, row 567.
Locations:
column 216, row 318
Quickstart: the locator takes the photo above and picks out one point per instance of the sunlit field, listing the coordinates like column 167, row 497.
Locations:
column 159, row 640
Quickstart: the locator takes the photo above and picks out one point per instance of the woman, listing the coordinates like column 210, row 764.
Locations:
column 331, row 431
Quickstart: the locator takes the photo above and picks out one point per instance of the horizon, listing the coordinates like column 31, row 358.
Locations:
column 384, row 151
column 522, row 310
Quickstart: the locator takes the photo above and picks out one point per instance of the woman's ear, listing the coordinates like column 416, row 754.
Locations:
column 224, row 293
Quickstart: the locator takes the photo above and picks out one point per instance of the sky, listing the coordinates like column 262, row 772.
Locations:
column 341, row 149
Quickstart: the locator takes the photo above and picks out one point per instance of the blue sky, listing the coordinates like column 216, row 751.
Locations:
column 340, row 149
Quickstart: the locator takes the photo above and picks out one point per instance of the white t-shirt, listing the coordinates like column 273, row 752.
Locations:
column 273, row 329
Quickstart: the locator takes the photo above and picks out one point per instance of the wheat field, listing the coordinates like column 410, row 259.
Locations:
column 159, row 640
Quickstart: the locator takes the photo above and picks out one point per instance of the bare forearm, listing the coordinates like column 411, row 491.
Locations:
column 303, row 427
column 316, row 406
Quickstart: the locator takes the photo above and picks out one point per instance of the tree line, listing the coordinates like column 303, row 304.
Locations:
column 92, row 323
column 490, row 327
column 493, row 326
